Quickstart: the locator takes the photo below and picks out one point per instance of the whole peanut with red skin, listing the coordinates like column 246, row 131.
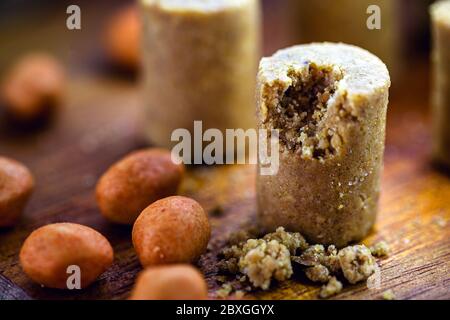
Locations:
column 136, row 181
column 171, row 282
column 33, row 87
column 171, row 230
column 16, row 186
column 50, row 250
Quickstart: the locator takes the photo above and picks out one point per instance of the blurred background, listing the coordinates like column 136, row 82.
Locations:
column 101, row 102
column 102, row 59
column 30, row 25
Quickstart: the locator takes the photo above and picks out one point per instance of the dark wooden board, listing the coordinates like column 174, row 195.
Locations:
column 100, row 122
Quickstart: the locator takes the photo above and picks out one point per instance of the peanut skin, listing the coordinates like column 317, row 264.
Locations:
column 136, row 181
column 172, row 282
column 50, row 250
column 16, row 186
column 171, row 230
column 33, row 87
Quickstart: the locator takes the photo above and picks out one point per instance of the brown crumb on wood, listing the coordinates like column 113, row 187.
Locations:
column 331, row 260
column 318, row 273
column 239, row 294
column 316, row 254
column 224, row 291
column 292, row 240
column 311, row 256
column 264, row 260
column 380, row 249
column 357, row 263
column 389, row 295
column 332, row 288
column 230, row 264
column 221, row 279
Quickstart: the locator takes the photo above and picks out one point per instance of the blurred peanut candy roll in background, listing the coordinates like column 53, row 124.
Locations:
column 440, row 15
column 347, row 21
column 200, row 59
column 329, row 103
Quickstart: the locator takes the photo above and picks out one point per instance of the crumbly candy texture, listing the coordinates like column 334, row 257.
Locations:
column 224, row 291
column 328, row 102
column 316, row 254
column 357, row 263
column 292, row 240
column 264, row 260
column 271, row 257
column 312, row 255
column 318, row 273
column 380, row 249
column 300, row 111
column 389, row 295
column 332, row 288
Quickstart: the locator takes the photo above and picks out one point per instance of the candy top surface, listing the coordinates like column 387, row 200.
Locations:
column 362, row 72
column 196, row 5
column 440, row 11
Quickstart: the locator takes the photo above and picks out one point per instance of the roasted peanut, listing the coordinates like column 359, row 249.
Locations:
column 171, row 230
column 122, row 38
column 16, row 186
column 33, row 87
column 172, row 282
column 136, row 181
column 48, row 252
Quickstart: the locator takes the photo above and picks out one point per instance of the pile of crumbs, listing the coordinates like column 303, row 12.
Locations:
column 261, row 261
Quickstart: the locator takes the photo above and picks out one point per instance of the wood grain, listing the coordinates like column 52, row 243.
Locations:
column 100, row 122
column 100, row 125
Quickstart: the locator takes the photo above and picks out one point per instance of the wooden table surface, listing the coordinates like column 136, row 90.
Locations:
column 99, row 123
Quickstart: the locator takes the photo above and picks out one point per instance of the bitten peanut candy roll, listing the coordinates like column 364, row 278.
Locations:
column 200, row 61
column 346, row 21
column 440, row 15
column 329, row 103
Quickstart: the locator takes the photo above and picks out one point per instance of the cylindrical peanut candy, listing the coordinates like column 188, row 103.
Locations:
column 200, row 59
column 440, row 15
column 374, row 25
column 329, row 103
